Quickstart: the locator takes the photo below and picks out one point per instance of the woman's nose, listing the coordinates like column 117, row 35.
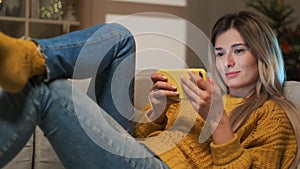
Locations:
column 229, row 61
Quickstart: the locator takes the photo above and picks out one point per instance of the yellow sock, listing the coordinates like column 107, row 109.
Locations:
column 19, row 60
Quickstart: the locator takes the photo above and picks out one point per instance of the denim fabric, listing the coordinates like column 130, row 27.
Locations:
column 105, row 53
column 78, row 129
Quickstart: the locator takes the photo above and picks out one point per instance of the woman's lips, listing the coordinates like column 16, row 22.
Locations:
column 232, row 74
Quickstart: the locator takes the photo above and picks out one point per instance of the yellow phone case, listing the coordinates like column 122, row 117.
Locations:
column 174, row 75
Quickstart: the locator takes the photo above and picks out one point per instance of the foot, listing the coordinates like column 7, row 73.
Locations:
column 19, row 60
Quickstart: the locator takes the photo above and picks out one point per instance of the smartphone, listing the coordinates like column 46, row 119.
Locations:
column 174, row 75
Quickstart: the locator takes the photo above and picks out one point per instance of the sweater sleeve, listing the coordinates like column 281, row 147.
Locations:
column 231, row 155
column 268, row 146
column 143, row 125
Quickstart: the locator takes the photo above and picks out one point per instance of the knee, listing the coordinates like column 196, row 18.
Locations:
column 122, row 30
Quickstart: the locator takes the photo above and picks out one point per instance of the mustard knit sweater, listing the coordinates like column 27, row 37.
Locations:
column 266, row 140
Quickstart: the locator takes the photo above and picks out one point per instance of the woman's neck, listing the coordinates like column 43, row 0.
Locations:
column 242, row 92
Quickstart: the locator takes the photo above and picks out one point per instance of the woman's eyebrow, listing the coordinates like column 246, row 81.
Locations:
column 232, row 46
column 238, row 44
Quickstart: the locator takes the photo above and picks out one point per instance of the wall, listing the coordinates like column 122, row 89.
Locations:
column 201, row 13
column 296, row 5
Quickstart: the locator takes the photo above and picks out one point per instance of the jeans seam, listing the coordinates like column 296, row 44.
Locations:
column 87, row 42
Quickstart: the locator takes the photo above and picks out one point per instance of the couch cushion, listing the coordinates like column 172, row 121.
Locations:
column 44, row 155
column 24, row 159
column 292, row 92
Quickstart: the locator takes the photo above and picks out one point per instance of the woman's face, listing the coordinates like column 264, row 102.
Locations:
column 235, row 63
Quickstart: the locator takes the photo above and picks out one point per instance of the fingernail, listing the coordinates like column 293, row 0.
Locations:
column 178, row 100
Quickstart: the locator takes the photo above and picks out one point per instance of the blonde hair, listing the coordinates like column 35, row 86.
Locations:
column 263, row 44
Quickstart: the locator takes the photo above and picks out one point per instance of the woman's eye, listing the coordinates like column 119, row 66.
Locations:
column 238, row 51
column 219, row 54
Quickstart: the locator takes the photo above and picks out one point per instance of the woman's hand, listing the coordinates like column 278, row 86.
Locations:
column 162, row 95
column 205, row 97
column 198, row 92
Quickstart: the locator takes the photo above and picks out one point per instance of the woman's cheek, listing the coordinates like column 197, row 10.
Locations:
column 219, row 67
column 220, row 70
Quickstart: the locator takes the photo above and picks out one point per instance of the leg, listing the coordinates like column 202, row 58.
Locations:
column 18, row 119
column 85, row 136
column 104, row 52
column 82, row 134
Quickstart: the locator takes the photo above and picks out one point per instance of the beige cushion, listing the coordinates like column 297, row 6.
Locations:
column 292, row 92
column 44, row 156
column 24, row 159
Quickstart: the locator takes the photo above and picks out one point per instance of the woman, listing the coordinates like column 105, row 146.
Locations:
column 259, row 127
column 255, row 129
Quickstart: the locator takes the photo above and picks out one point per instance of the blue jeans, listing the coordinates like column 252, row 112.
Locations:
column 105, row 53
column 83, row 134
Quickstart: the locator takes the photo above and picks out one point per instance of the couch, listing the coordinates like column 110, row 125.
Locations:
column 38, row 153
